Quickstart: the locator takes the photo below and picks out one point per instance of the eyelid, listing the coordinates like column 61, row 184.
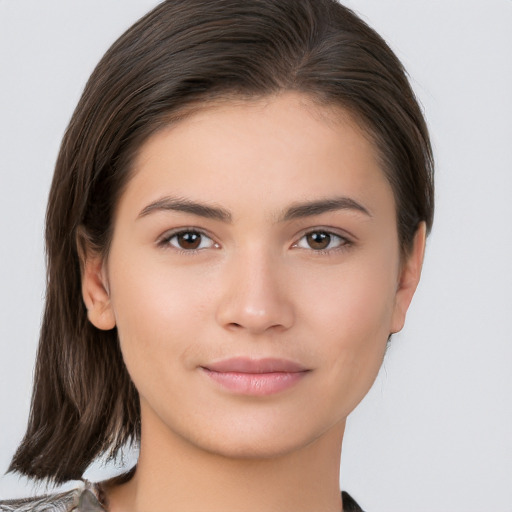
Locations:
column 164, row 239
column 348, row 239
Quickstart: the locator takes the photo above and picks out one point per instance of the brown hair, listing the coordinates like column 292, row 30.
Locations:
column 181, row 54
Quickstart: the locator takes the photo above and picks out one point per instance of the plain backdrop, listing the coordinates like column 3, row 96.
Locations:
column 435, row 432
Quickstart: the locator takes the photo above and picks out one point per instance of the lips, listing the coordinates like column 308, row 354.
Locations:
column 246, row 365
column 256, row 377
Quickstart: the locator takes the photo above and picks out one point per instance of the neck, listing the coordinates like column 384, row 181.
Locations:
column 173, row 474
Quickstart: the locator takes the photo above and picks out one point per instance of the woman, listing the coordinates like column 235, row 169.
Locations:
column 235, row 228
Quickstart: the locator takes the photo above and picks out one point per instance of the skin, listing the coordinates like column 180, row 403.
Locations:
column 256, row 287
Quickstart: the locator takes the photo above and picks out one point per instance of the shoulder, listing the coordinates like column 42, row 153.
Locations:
column 85, row 498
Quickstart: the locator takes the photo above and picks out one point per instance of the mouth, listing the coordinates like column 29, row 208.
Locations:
column 255, row 377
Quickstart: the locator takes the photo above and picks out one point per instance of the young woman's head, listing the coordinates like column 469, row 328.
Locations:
column 248, row 180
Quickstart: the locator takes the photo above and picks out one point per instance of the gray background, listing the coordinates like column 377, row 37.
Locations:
column 435, row 432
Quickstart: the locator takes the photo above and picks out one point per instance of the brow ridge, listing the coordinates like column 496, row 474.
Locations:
column 187, row 206
column 296, row 211
column 317, row 207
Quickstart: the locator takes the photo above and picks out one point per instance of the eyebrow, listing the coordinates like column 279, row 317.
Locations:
column 311, row 208
column 186, row 205
column 296, row 211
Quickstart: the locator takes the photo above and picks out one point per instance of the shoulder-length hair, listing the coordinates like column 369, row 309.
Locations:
column 179, row 56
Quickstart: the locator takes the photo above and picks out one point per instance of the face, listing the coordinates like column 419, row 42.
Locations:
column 254, row 275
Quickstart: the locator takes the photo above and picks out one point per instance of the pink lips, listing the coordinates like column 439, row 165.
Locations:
column 257, row 377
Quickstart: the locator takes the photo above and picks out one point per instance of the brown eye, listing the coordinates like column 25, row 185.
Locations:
column 190, row 241
column 321, row 241
column 318, row 240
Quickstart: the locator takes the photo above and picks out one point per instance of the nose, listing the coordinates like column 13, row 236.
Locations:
column 256, row 297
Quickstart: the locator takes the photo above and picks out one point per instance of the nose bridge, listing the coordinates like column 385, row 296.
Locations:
column 255, row 296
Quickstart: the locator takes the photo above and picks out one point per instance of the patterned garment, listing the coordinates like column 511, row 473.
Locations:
column 87, row 498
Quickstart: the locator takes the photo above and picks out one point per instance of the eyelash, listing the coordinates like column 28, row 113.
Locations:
column 344, row 242
column 165, row 241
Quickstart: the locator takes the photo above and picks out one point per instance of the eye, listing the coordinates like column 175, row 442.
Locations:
column 189, row 240
column 321, row 241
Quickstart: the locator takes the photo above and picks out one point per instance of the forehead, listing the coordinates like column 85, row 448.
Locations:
column 262, row 153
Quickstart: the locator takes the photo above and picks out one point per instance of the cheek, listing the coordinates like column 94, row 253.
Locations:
column 353, row 304
column 352, row 317
column 158, row 315
column 356, row 328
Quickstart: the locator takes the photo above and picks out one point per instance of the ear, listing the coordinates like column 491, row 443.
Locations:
column 409, row 278
column 95, row 290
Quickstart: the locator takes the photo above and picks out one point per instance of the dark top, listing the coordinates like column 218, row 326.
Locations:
column 89, row 497
column 349, row 504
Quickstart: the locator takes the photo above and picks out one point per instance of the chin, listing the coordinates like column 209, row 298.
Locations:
column 254, row 449
column 252, row 442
